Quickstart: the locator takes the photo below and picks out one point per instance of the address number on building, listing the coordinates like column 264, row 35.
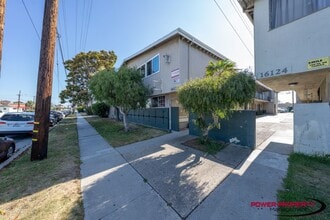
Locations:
column 275, row 72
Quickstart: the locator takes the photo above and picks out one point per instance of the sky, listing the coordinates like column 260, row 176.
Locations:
column 124, row 26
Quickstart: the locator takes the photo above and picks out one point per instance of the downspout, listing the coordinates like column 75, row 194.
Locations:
column 189, row 45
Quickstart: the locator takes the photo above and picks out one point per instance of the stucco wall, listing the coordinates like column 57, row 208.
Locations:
column 312, row 128
column 291, row 45
column 184, row 58
column 162, row 80
column 193, row 61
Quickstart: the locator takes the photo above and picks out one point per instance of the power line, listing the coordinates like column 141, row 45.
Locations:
column 82, row 25
column 60, row 44
column 27, row 11
column 241, row 17
column 58, row 74
column 75, row 39
column 65, row 27
column 233, row 28
column 88, row 21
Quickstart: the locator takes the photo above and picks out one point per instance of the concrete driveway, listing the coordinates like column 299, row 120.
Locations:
column 182, row 176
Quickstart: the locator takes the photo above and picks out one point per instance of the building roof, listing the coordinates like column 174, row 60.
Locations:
column 184, row 35
column 248, row 7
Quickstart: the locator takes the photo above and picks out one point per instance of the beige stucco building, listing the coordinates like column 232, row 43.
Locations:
column 170, row 62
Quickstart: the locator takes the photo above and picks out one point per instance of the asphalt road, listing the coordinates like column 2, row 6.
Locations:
column 22, row 143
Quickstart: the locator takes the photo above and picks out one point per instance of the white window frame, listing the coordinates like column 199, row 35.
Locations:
column 145, row 65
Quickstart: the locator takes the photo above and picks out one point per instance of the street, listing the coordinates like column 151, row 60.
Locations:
column 22, row 143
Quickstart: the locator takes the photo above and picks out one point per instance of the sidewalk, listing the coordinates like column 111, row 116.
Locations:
column 167, row 180
column 111, row 188
column 257, row 179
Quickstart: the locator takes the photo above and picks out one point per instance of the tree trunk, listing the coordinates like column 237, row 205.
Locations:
column 117, row 114
column 124, row 119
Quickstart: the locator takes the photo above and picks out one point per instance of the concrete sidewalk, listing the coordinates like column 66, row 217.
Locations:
column 161, row 178
column 111, row 188
column 257, row 179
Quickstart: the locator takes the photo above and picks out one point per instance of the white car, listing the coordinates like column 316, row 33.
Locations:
column 17, row 123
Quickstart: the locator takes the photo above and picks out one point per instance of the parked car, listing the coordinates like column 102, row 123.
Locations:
column 17, row 123
column 52, row 120
column 1, row 113
column 7, row 147
column 282, row 110
column 58, row 116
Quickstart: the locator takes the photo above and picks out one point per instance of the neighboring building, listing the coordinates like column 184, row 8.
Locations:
column 177, row 58
column 292, row 52
column 170, row 62
column 265, row 101
column 11, row 107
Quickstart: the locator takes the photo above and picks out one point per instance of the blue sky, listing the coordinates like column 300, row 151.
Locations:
column 124, row 26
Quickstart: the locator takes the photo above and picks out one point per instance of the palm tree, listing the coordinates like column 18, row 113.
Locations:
column 217, row 68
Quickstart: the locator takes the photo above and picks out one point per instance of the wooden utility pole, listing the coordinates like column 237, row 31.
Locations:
column 19, row 100
column 2, row 24
column 45, row 80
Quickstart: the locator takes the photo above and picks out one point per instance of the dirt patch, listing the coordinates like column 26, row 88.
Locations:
column 211, row 147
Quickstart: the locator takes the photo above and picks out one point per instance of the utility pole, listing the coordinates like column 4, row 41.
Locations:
column 2, row 24
column 19, row 100
column 45, row 80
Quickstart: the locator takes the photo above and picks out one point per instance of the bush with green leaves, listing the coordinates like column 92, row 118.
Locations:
column 217, row 94
column 101, row 109
column 122, row 88
column 89, row 110
column 80, row 109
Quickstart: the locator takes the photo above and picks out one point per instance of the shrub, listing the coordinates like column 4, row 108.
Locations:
column 101, row 109
column 80, row 109
column 89, row 110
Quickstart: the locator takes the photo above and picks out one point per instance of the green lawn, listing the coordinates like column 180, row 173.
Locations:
column 114, row 133
column 308, row 177
column 47, row 189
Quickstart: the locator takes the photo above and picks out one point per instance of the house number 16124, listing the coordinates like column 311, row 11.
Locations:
column 273, row 72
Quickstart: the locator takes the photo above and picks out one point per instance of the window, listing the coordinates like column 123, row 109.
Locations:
column 152, row 66
column 142, row 70
column 282, row 12
column 149, row 68
column 158, row 101
column 17, row 117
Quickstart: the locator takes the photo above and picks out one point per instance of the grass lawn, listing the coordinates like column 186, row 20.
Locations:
column 114, row 133
column 47, row 189
column 308, row 177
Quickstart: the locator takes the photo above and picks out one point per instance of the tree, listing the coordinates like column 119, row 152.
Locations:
column 222, row 90
column 123, row 88
column 30, row 105
column 220, row 67
column 81, row 68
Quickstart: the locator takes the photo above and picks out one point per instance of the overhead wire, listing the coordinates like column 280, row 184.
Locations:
column 65, row 27
column 58, row 74
column 241, row 17
column 75, row 39
column 82, row 24
column 28, row 13
column 60, row 45
column 88, row 21
column 238, row 35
